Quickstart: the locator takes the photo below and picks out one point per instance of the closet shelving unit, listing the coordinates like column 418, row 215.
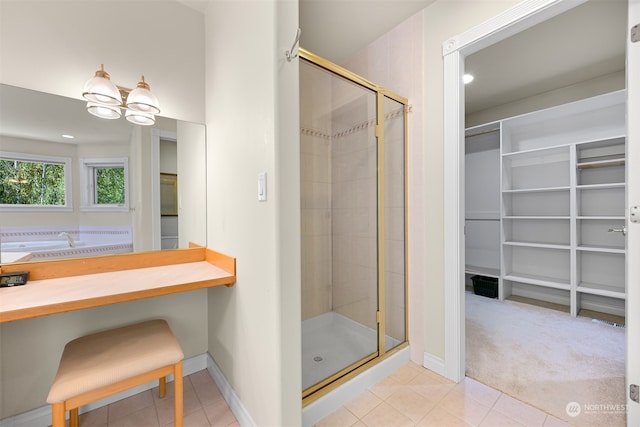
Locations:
column 482, row 216
column 562, row 189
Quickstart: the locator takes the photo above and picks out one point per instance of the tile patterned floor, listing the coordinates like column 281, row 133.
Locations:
column 204, row 406
column 412, row 396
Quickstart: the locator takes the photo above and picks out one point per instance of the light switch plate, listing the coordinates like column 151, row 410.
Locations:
column 262, row 186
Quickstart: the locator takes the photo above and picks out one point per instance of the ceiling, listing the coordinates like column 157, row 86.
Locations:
column 585, row 42
column 335, row 30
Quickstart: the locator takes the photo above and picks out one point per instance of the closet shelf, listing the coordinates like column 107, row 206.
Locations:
column 536, row 152
column 547, row 282
column 536, row 245
column 535, row 217
column 537, row 190
column 610, row 218
column 602, row 290
column 483, row 271
column 606, row 249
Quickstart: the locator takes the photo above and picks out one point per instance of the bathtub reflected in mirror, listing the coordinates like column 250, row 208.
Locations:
column 32, row 124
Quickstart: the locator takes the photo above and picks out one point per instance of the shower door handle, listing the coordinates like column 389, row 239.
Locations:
column 622, row 230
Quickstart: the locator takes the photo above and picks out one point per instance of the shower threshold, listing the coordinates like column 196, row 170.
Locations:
column 331, row 342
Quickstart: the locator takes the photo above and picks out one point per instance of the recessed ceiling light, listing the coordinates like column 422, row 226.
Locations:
column 68, row 136
column 467, row 78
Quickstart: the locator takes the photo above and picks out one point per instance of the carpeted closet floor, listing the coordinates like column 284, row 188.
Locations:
column 570, row 367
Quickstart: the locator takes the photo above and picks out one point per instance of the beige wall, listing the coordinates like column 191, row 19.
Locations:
column 58, row 56
column 253, row 126
column 442, row 20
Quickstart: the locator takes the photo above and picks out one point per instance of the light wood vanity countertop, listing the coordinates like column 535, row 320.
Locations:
column 65, row 285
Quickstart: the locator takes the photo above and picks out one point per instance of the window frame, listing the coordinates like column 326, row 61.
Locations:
column 88, row 184
column 66, row 162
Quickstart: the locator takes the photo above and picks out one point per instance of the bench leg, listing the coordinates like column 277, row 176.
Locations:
column 162, row 387
column 57, row 415
column 178, row 402
column 73, row 418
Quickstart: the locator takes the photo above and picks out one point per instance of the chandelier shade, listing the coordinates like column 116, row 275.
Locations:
column 103, row 111
column 101, row 89
column 138, row 118
column 141, row 99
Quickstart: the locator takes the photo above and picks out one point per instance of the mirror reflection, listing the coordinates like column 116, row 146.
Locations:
column 74, row 185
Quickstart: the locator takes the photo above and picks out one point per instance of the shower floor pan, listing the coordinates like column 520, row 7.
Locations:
column 331, row 342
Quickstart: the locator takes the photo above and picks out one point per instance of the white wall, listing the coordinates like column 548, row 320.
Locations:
column 55, row 46
column 252, row 122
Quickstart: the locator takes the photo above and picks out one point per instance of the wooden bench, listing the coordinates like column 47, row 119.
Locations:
column 98, row 365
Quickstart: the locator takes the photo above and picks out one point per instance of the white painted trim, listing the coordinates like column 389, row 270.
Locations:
column 434, row 363
column 235, row 404
column 156, row 136
column 156, row 242
column 633, row 199
column 518, row 18
column 317, row 410
column 42, row 416
column 454, row 346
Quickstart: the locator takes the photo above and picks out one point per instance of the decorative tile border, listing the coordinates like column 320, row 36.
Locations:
column 392, row 115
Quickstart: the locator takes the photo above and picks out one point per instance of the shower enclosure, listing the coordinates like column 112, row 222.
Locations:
column 353, row 203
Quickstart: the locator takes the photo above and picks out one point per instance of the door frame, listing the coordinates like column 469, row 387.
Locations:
column 512, row 21
column 632, row 321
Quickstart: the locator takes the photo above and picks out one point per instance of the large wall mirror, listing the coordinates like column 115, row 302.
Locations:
column 74, row 185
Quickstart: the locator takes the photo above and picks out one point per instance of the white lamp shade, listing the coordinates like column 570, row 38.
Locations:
column 102, row 90
column 103, row 111
column 138, row 118
column 141, row 99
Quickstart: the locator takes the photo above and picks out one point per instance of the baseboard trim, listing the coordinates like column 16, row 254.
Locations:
column 434, row 363
column 42, row 416
column 235, row 404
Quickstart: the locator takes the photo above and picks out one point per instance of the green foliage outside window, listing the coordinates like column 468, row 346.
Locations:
column 110, row 185
column 31, row 183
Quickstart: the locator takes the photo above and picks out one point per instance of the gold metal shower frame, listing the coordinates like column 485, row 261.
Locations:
column 328, row 384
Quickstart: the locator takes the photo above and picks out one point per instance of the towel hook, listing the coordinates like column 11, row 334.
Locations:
column 289, row 54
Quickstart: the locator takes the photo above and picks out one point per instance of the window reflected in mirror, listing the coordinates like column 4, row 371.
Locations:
column 31, row 181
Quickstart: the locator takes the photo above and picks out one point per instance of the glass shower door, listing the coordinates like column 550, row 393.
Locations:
column 394, row 331
column 339, row 225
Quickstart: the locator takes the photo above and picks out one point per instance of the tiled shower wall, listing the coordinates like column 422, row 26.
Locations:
column 315, row 196
column 354, row 225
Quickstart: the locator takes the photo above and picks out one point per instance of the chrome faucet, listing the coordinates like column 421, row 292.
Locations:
column 69, row 238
